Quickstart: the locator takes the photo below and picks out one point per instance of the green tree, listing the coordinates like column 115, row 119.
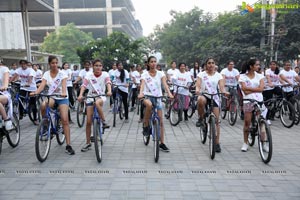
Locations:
column 65, row 41
column 116, row 47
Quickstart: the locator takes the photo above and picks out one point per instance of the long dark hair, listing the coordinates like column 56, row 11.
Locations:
column 148, row 61
column 246, row 65
column 63, row 65
column 277, row 68
column 122, row 72
column 50, row 58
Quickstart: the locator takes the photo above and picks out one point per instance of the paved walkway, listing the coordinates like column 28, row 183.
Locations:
column 128, row 170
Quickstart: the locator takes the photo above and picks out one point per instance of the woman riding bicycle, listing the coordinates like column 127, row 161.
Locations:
column 28, row 84
column 151, row 85
column 56, row 80
column 184, row 79
column 5, row 98
column 252, row 86
column 96, row 82
column 209, row 81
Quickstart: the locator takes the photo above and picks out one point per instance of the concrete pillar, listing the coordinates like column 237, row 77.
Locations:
column 109, row 19
column 25, row 19
column 56, row 13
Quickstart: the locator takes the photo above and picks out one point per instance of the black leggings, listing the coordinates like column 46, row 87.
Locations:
column 124, row 96
column 32, row 103
column 268, row 94
column 134, row 95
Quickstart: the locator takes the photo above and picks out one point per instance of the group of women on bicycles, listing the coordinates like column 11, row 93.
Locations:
column 149, row 85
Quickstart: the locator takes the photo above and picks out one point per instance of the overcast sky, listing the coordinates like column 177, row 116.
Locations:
column 152, row 12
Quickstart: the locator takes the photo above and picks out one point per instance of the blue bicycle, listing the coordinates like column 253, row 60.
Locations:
column 117, row 105
column 49, row 127
column 154, row 128
column 98, row 130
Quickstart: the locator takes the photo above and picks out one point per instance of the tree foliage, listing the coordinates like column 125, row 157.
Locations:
column 195, row 35
column 116, row 47
column 65, row 41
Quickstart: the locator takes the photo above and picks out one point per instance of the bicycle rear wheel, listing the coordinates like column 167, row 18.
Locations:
column 212, row 137
column 60, row 136
column 81, row 109
column 232, row 113
column 174, row 113
column 265, row 141
column 97, row 139
column 13, row 136
column 203, row 134
column 191, row 108
column 297, row 110
column 287, row 114
column 156, row 139
column 43, row 140
column 115, row 111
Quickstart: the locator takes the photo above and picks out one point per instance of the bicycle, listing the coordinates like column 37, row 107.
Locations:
column 284, row 108
column 231, row 106
column 154, row 124
column 210, row 121
column 18, row 101
column 81, row 111
column 49, row 126
column 296, row 101
column 258, row 127
column 13, row 136
column 192, row 104
column 98, row 129
column 117, row 105
column 174, row 113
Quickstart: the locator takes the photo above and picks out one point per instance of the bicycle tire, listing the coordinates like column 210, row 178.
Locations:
column 232, row 113
column 1, row 140
column 43, row 134
column 191, row 109
column 203, row 134
column 268, row 141
column 287, row 106
column 223, row 114
column 115, row 110
column 80, row 114
column 121, row 114
column 98, row 146
column 212, row 137
column 156, row 139
column 251, row 138
column 297, row 111
column 60, row 136
column 13, row 137
column 38, row 114
column 173, row 113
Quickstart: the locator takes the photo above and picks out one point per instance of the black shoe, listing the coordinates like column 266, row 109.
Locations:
column 105, row 126
column 146, row 131
column 218, row 148
column 69, row 150
column 200, row 123
column 163, row 147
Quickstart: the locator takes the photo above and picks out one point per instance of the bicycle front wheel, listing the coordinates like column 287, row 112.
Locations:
column 13, row 136
column 296, row 103
column 287, row 114
column 60, row 136
column 43, row 140
column 191, row 109
column 156, row 139
column 265, row 141
column 232, row 113
column 115, row 111
column 81, row 114
column 212, row 137
column 97, row 139
column 174, row 113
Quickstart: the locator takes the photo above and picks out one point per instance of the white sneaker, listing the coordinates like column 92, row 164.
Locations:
column 269, row 122
column 265, row 147
column 244, row 147
column 8, row 125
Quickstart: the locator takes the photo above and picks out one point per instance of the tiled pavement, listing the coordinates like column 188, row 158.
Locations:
column 128, row 170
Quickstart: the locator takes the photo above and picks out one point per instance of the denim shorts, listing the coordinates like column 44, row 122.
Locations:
column 156, row 102
column 61, row 101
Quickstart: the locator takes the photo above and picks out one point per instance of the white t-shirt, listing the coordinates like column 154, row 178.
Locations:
column 93, row 83
column 197, row 72
column 68, row 72
column 38, row 75
column 273, row 77
column 209, row 83
column 290, row 76
column 182, row 79
column 137, row 76
column 75, row 74
column 111, row 72
column 230, row 76
column 152, row 83
column 253, row 83
column 3, row 70
column 171, row 73
column 121, row 85
column 83, row 73
column 12, row 72
column 50, row 82
column 24, row 77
